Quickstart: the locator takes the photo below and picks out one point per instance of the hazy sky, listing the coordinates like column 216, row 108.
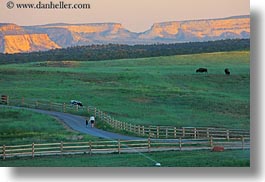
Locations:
column 135, row 15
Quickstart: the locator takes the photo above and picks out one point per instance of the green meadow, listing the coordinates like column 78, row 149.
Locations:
column 235, row 158
column 150, row 91
column 26, row 127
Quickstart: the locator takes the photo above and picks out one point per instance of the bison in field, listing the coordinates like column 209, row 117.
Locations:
column 227, row 71
column 202, row 70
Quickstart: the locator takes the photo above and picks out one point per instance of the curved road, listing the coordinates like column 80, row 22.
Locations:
column 77, row 123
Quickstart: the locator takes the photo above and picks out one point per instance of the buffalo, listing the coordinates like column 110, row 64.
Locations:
column 227, row 71
column 202, row 70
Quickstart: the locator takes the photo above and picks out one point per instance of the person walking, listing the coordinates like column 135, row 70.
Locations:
column 92, row 121
column 86, row 123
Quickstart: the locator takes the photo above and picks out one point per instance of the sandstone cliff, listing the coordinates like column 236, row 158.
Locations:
column 200, row 30
column 14, row 39
column 28, row 43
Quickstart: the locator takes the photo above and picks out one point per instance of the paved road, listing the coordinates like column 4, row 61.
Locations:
column 77, row 123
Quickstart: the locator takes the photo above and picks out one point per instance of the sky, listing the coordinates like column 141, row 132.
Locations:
column 135, row 15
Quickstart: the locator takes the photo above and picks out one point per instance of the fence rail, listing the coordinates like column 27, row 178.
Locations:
column 163, row 132
column 119, row 146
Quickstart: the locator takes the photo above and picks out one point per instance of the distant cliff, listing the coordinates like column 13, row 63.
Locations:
column 28, row 43
column 15, row 39
column 67, row 35
column 200, row 30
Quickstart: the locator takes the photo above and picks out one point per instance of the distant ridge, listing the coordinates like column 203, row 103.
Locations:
column 68, row 35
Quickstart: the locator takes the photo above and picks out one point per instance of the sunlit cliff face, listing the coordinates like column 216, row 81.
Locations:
column 200, row 28
column 15, row 39
column 28, row 43
column 79, row 33
column 10, row 27
column 92, row 28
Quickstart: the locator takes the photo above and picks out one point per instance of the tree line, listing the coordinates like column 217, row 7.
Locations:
column 118, row 51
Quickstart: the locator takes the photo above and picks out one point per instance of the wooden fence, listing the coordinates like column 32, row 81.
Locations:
column 163, row 132
column 118, row 146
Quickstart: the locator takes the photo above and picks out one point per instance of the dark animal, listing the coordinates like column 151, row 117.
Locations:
column 202, row 70
column 76, row 102
column 227, row 71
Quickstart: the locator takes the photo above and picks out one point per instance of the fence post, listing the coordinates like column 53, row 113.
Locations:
column 143, row 131
column 149, row 131
column 211, row 141
column 180, row 143
column 90, row 148
column 208, row 134
column 157, row 132
column 124, row 126
column 139, row 130
column 119, row 146
column 183, row 132
column 149, row 144
column 110, row 121
column 227, row 135
column 243, row 142
column 195, row 133
column 118, row 125
column 99, row 114
column 88, row 109
column 95, row 112
column 61, row 147
column 115, row 123
column 33, row 149
column 175, row 132
column 4, row 152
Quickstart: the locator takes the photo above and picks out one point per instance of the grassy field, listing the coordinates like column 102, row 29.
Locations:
column 236, row 158
column 151, row 91
column 25, row 127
